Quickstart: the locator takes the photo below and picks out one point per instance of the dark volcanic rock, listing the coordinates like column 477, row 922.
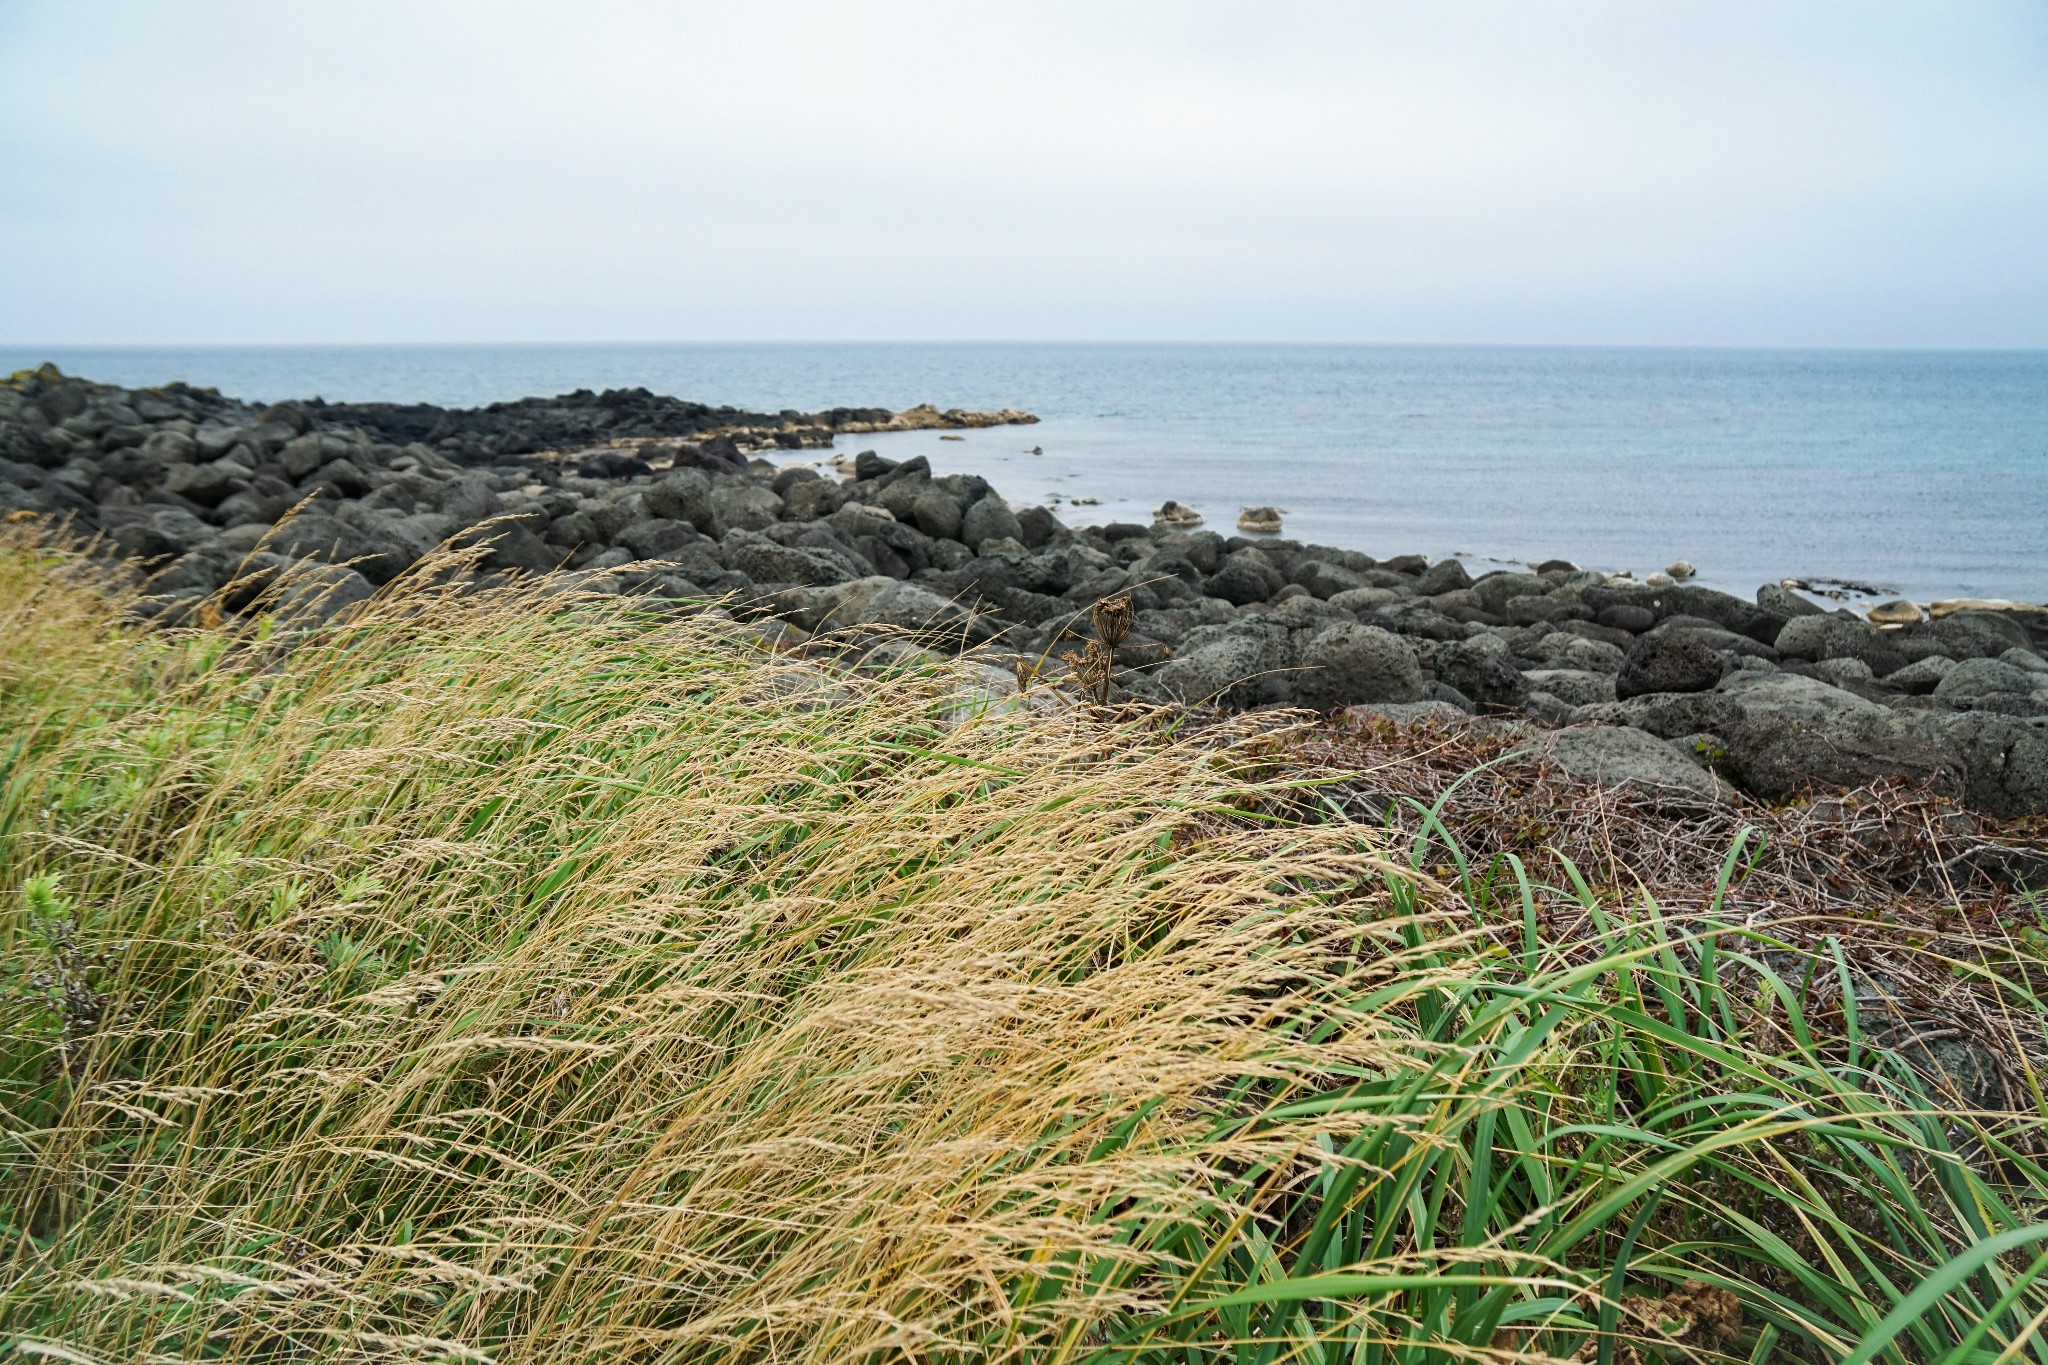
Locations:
column 1775, row 755
column 1481, row 669
column 1666, row 663
column 1345, row 664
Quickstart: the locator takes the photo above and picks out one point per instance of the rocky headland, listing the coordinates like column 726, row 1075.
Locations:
column 1682, row 690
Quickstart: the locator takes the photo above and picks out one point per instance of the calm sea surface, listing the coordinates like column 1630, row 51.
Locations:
column 1926, row 473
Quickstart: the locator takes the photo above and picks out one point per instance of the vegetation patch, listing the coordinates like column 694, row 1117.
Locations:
column 506, row 975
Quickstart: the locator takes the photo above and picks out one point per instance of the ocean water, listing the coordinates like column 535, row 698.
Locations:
column 1924, row 473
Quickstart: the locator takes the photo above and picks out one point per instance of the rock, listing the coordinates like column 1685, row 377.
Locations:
column 1804, row 699
column 1244, row 577
column 1814, row 638
column 1243, row 664
column 937, row 513
column 1775, row 754
column 1624, row 758
column 1919, row 679
column 2026, row 660
column 1448, row 575
column 1529, row 610
column 1987, row 605
column 1779, row 599
column 469, row 499
column 742, row 507
column 1493, row 591
column 1482, row 670
column 682, row 495
column 1843, row 673
column 1673, row 662
column 1974, row 679
column 764, row 561
column 1323, row 579
column 1897, row 612
column 306, row 597
column 1038, row 527
column 511, row 546
column 905, row 606
column 1680, row 571
column 206, row 484
column 2005, row 763
column 1974, row 634
column 658, row 538
column 1364, row 599
column 1259, row 521
column 1411, row 712
column 990, row 518
column 1632, row 619
column 172, row 447
column 1565, row 649
column 1346, row 663
column 1175, row 515
column 1572, row 686
column 1686, row 599
column 1441, row 692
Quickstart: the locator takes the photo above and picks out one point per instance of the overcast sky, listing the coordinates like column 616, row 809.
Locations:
column 1779, row 173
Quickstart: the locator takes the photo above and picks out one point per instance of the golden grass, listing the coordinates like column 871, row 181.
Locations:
column 510, row 975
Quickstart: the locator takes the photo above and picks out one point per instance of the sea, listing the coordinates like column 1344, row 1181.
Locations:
column 1914, row 473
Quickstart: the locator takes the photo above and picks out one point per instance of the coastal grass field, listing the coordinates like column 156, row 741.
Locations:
column 508, row 975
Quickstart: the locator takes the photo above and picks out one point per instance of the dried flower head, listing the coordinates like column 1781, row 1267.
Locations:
column 1113, row 617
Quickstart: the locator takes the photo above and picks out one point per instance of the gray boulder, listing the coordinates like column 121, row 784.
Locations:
column 681, row 495
column 937, row 513
column 1814, row 638
column 313, row 596
column 1620, row 757
column 1246, row 576
column 1246, row 663
column 905, row 606
column 1785, row 602
column 1449, row 575
column 1974, row 679
column 1974, row 634
column 658, row 538
column 990, row 518
column 1323, row 579
column 2005, row 763
column 743, row 507
column 1626, row 616
column 1345, row 664
column 1493, row 591
column 764, row 561
column 1919, row 679
column 207, row 484
column 1667, row 662
column 1803, row 699
column 511, row 545
column 469, row 499
column 1482, row 669
column 1572, row 686
column 1775, row 754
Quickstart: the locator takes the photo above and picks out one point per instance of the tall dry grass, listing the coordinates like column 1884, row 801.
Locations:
column 520, row 976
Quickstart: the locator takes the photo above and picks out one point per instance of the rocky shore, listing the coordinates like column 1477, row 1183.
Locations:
column 1680, row 689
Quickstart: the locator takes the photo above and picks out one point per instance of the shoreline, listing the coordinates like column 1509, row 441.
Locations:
column 1683, row 688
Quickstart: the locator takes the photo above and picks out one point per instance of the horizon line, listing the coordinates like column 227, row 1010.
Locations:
column 1870, row 347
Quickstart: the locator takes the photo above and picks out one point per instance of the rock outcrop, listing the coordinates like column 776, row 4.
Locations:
column 1778, row 694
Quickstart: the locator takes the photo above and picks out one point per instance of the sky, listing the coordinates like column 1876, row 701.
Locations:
column 1789, row 173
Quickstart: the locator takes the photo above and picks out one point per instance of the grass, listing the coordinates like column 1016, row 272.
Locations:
column 508, row 975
